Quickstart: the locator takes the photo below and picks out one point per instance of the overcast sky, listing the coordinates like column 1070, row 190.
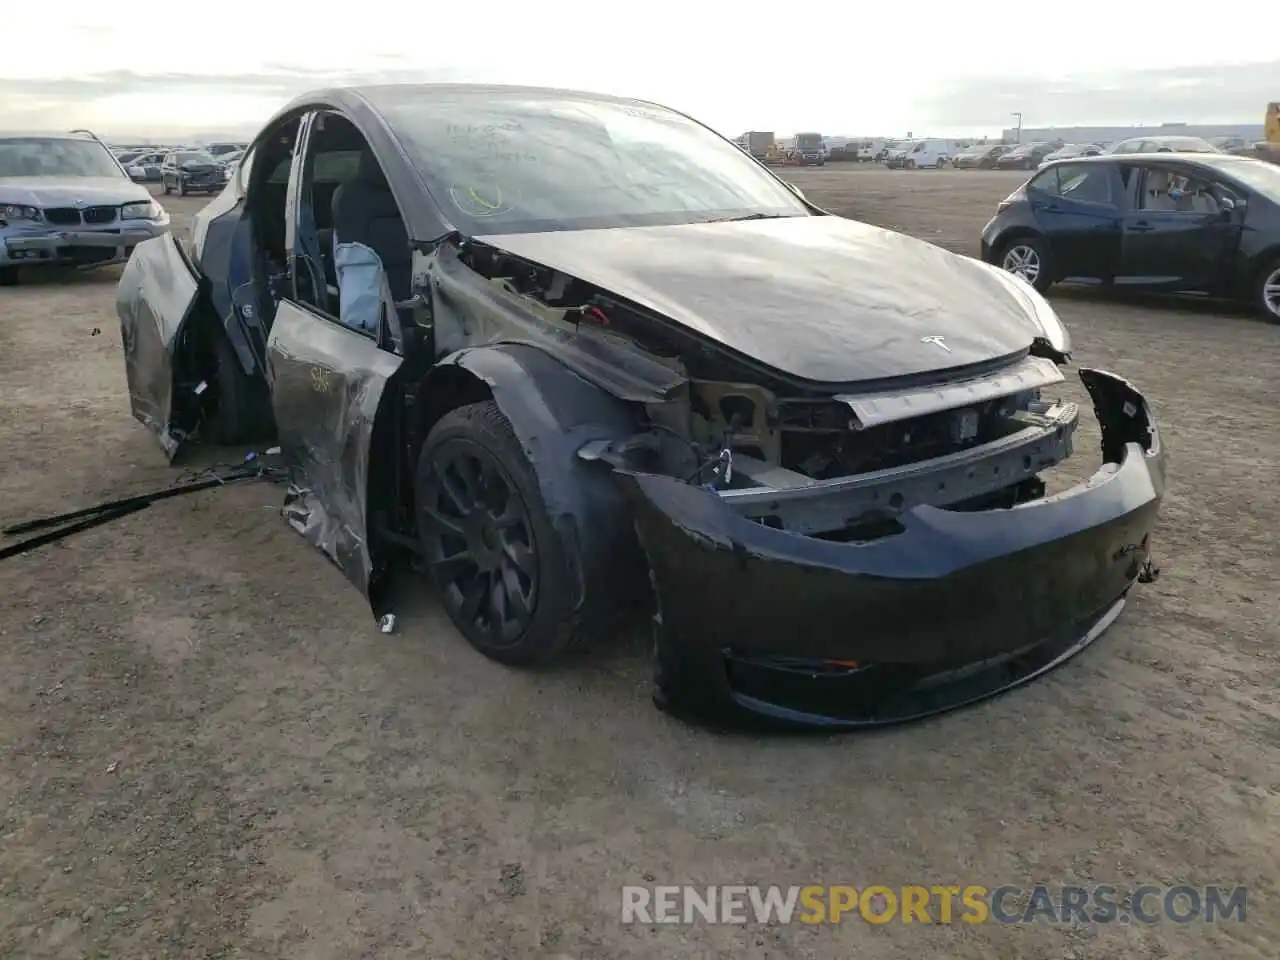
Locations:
column 940, row 68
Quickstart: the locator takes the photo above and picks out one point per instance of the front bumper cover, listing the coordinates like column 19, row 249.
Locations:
column 755, row 622
column 44, row 245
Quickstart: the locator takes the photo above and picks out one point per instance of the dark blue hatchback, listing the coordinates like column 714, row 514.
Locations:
column 1177, row 223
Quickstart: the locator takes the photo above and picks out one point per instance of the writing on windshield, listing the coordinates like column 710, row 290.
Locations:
column 530, row 162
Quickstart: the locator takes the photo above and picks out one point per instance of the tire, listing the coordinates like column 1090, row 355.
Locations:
column 1268, row 279
column 164, row 186
column 908, row 164
column 1031, row 252
column 8, row 276
column 507, row 539
column 238, row 400
column 182, row 187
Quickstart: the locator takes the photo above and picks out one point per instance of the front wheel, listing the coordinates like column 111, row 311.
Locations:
column 182, row 187
column 1025, row 257
column 239, row 400
column 909, row 164
column 164, row 186
column 1266, row 291
column 496, row 561
column 8, row 276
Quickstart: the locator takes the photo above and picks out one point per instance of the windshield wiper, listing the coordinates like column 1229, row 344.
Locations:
column 750, row 216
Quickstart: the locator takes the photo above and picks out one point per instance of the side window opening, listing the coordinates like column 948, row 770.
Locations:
column 264, row 176
column 1046, row 182
column 1083, row 183
column 1171, row 191
column 360, row 234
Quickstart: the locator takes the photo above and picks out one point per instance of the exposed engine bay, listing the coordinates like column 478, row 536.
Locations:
column 748, row 432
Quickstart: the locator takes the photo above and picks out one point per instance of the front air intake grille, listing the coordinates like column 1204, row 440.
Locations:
column 63, row 216
column 100, row 215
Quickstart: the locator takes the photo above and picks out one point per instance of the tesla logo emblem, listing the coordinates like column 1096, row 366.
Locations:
column 937, row 342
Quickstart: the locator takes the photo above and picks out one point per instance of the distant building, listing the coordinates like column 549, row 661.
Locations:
column 1249, row 131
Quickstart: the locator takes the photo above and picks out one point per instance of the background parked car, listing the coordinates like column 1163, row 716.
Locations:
column 191, row 171
column 232, row 162
column 922, row 154
column 1164, row 145
column 1069, row 151
column 871, row 150
column 221, row 149
column 1203, row 223
column 144, row 167
column 65, row 200
column 980, row 156
column 1233, row 145
column 1025, row 156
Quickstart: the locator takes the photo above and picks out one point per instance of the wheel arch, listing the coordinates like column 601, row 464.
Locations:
column 1260, row 261
column 553, row 412
column 1250, row 273
column 1012, row 234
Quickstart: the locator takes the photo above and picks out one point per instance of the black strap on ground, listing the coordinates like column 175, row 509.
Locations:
column 77, row 521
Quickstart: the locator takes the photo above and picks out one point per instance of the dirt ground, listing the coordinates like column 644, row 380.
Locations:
column 208, row 750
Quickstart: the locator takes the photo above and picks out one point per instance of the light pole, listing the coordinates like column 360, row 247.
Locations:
column 1017, row 136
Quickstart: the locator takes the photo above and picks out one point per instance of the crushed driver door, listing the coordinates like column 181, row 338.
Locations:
column 327, row 384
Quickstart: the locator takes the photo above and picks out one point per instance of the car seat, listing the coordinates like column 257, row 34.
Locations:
column 1157, row 192
column 365, row 212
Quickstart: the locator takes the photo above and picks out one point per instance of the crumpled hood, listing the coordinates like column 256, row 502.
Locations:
column 68, row 191
column 819, row 298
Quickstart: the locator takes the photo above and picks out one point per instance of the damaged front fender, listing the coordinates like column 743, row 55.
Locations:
column 553, row 412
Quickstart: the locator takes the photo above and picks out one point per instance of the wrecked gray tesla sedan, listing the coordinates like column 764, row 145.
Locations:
column 576, row 352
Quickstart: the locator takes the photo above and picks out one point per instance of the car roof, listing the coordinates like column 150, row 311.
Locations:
column 375, row 95
column 43, row 135
column 1221, row 161
column 1164, row 138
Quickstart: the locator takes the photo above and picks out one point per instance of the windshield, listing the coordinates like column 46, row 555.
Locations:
column 1258, row 174
column 524, row 162
column 807, row 141
column 194, row 157
column 1187, row 144
column 55, row 157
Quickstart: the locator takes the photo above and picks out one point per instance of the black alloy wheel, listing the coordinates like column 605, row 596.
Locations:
column 491, row 551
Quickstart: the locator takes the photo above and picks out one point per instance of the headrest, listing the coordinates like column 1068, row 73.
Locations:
column 370, row 171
